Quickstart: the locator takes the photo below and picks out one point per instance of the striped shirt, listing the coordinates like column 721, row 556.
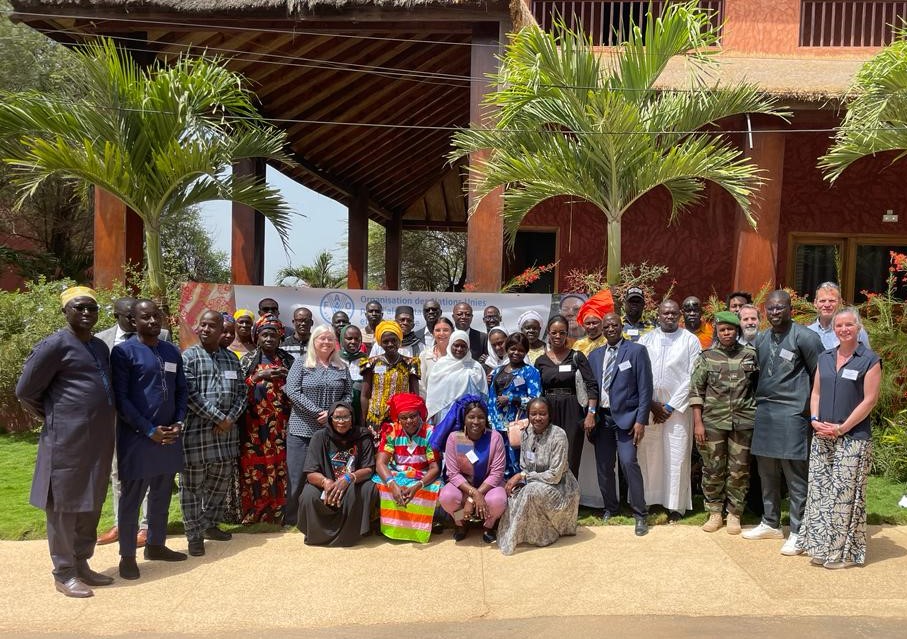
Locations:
column 312, row 390
column 217, row 391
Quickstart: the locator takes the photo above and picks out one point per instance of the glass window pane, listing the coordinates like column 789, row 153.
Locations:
column 814, row 264
column 872, row 271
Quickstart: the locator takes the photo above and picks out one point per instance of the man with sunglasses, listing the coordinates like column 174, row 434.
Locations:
column 268, row 306
column 66, row 383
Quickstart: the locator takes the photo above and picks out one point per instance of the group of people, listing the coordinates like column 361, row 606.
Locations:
column 342, row 431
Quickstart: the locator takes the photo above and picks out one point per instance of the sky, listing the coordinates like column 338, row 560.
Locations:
column 321, row 226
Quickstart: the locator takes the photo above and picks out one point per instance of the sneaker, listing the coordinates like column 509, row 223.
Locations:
column 763, row 531
column 837, row 565
column 714, row 523
column 733, row 524
column 902, row 503
column 790, row 546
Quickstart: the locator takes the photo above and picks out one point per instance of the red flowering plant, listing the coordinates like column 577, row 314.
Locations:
column 643, row 275
column 522, row 281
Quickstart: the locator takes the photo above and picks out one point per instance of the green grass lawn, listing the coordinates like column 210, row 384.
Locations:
column 21, row 521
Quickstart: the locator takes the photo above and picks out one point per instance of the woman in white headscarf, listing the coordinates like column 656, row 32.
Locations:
column 454, row 375
column 530, row 325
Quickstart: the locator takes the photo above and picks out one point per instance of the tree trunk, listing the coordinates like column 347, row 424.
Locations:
column 156, row 278
column 613, row 248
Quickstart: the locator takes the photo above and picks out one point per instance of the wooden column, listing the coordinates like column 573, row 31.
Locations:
column 118, row 239
column 357, row 242
column 757, row 249
column 248, row 247
column 485, row 229
column 393, row 244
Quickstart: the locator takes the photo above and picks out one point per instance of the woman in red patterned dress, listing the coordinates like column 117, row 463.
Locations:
column 262, row 446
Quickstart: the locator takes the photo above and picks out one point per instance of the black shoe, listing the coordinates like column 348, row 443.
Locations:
column 642, row 528
column 128, row 568
column 460, row 533
column 216, row 534
column 674, row 517
column 91, row 578
column 162, row 553
column 197, row 547
column 606, row 516
column 489, row 536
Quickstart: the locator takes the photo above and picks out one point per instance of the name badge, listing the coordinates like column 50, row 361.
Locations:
column 169, row 367
column 518, row 381
column 230, row 375
column 786, row 354
column 632, row 332
column 472, row 457
column 849, row 373
column 355, row 373
column 411, row 448
column 380, row 369
column 624, row 366
column 530, row 456
column 565, row 368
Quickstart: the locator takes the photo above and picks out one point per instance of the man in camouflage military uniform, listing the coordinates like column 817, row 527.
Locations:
column 722, row 395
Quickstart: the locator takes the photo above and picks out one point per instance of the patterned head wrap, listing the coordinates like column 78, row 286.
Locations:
column 240, row 312
column 388, row 326
column 598, row 306
column 405, row 403
column 76, row 291
column 228, row 318
column 268, row 320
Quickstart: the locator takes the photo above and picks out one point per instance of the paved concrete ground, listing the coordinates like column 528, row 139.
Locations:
column 677, row 581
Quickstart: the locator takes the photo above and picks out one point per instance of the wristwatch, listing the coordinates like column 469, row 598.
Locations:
column 592, row 410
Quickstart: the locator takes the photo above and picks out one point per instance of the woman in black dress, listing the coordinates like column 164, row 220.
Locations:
column 558, row 368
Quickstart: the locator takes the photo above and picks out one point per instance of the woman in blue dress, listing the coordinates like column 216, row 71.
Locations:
column 511, row 387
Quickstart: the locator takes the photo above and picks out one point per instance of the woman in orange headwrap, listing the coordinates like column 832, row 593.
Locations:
column 590, row 318
column 407, row 471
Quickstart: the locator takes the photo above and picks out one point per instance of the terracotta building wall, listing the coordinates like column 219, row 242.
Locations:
column 697, row 248
column 853, row 205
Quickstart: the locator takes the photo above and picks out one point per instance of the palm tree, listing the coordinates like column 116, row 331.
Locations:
column 876, row 119
column 160, row 139
column 586, row 124
column 321, row 274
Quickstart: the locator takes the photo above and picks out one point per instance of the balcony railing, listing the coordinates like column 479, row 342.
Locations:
column 850, row 23
column 608, row 22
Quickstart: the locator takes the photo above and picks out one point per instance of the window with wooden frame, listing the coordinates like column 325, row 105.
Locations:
column 859, row 263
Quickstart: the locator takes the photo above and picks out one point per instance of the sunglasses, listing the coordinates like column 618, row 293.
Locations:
column 91, row 308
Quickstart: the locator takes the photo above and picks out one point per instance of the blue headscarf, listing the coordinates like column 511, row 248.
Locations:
column 456, row 420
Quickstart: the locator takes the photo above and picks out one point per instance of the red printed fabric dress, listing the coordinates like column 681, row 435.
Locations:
column 262, row 446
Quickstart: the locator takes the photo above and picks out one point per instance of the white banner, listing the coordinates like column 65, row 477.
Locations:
column 325, row 302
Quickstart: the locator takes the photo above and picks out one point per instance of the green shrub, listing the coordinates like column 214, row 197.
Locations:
column 27, row 317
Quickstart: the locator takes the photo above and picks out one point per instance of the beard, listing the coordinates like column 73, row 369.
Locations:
column 749, row 334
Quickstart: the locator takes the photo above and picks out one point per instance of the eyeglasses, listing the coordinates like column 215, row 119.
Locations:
column 91, row 308
column 342, row 418
column 691, row 307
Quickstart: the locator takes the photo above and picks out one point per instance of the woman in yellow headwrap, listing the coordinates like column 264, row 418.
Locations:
column 386, row 375
column 244, row 343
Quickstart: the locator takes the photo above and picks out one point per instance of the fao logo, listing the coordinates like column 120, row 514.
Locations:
column 336, row 301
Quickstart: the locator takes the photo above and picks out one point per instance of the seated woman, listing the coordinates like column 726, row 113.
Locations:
column 407, row 472
column 544, row 495
column 474, row 459
column 336, row 503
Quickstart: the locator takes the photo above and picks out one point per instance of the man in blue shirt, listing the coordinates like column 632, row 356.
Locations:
column 828, row 301
column 151, row 397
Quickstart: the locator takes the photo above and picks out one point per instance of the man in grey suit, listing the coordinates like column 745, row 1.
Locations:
column 624, row 375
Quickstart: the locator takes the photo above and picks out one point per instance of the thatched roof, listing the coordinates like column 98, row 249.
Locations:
column 812, row 80
column 233, row 7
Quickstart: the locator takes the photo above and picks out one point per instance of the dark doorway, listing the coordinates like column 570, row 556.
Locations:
column 533, row 248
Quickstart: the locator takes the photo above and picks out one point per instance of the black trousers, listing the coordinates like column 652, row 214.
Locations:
column 611, row 444
column 132, row 492
column 71, row 538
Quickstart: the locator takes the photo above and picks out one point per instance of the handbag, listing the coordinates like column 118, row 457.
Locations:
column 515, row 430
column 581, row 395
